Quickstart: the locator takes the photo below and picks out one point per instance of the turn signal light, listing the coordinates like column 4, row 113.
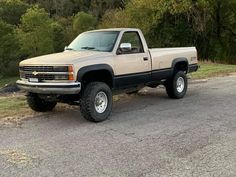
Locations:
column 70, row 69
column 71, row 77
column 71, row 73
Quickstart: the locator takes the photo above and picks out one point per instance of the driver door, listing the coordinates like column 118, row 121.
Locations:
column 132, row 65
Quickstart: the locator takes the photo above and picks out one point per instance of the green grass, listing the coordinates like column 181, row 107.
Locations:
column 212, row 70
column 7, row 103
column 12, row 106
column 7, row 80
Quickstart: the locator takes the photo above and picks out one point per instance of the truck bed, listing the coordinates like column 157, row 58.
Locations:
column 163, row 57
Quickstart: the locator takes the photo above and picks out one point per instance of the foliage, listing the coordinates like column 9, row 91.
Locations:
column 98, row 7
column 36, row 33
column 67, row 24
column 58, row 37
column 35, row 27
column 66, row 8
column 83, row 22
column 9, row 47
column 12, row 10
column 207, row 24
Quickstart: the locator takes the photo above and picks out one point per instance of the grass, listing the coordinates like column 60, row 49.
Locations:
column 7, row 80
column 209, row 69
column 12, row 106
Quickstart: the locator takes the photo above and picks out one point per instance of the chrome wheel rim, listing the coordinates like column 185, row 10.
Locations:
column 180, row 84
column 101, row 102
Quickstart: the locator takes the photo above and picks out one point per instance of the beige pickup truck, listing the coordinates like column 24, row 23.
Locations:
column 100, row 63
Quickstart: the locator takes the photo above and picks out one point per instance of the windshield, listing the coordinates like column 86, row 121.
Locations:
column 103, row 41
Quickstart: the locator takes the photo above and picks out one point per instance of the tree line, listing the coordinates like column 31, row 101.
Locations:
column 31, row 28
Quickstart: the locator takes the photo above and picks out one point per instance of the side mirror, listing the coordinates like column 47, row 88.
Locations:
column 126, row 46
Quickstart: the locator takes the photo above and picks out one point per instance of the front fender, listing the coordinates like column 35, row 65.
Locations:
column 82, row 71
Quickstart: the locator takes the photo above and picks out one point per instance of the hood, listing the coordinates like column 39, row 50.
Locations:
column 65, row 58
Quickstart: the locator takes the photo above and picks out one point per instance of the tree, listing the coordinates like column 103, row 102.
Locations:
column 58, row 37
column 67, row 24
column 224, row 30
column 208, row 24
column 82, row 22
column 12, row 10
column 36, row 33
column 99, row 7
column 9, row 48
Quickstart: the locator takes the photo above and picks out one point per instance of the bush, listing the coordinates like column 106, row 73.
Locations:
column 36, row 32
column 83, row 22
column 58, row 37
column 9, row 47
column 12, row 10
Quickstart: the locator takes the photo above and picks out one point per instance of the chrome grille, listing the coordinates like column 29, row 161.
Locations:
column 40, row 76
column 44, row 68
column 37, row 68
column 45, row 73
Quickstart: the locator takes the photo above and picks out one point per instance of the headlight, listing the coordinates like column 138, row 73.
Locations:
column 60, row 68
column 61, row 77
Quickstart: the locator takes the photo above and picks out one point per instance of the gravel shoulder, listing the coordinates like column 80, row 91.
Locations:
column 147, row 135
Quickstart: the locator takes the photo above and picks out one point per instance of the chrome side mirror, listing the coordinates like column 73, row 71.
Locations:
column 126, row 46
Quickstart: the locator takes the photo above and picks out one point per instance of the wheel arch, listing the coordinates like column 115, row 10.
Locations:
column 180, row 64
column 104, row 72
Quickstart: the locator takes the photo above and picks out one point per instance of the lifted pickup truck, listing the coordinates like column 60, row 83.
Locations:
column 102, row 62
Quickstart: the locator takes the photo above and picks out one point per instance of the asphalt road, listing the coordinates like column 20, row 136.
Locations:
column 148, row 135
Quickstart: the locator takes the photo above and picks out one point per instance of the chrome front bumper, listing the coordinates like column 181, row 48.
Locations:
column 50, row 88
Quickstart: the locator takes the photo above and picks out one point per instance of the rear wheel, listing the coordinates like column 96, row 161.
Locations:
column 96, row 102
column 177, row 86
column 38, row 104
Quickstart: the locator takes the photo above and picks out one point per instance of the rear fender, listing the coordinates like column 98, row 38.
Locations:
column 179, row 60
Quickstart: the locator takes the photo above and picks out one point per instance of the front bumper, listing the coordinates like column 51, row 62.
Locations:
column 50, row 88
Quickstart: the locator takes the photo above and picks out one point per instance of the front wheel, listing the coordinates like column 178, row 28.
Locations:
column 177, row 86
column 96, row 102
column 38, row 104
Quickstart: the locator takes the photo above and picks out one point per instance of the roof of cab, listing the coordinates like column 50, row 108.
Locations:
column 115, row 29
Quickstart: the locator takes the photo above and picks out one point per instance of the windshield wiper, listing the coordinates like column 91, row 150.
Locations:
column 69, row 49
column 88, row 48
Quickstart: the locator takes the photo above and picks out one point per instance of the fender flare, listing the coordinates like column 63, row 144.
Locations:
column 82, row 71
column 177, row 60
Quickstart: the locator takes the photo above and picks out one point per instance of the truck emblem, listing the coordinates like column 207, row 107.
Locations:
column 35, row 73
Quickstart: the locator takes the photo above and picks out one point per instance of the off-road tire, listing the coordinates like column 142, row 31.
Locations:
column 87, row 105
column 171, row 86
column 40, row 105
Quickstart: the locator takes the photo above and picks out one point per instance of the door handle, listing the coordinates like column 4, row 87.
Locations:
column 145, row 58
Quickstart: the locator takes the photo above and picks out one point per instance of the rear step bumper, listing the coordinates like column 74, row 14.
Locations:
column 193, row 68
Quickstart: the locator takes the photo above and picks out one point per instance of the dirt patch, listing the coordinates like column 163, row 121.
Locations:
column 17, row 157
column 14, row 110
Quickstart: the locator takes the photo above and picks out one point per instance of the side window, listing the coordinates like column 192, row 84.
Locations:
column 135, row 41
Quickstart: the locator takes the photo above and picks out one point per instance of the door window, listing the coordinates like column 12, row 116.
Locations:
column 135, row 41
